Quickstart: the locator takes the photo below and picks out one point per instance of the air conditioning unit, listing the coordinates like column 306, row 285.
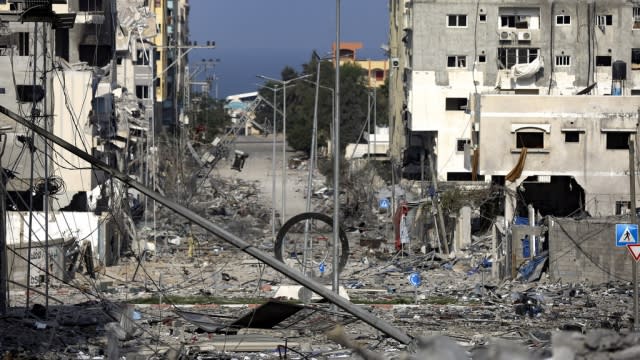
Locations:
column 505, row 35
column 524, row 36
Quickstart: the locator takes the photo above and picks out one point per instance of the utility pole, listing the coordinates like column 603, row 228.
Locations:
column 4, row 290
column 634, row 220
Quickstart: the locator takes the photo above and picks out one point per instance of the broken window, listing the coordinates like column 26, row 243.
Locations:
column 142, row 57
column 530, row 140
column 604, row 20
column 635, row 59
column 563, row 60
column 636, row 17
column 572, row 136
column 618, row 141
column 456, row 104
column 460, row 144
column 142, row 92
column 563, row 20
column 457, row 20
column 457, row 61
column 95, row 55
column 623, row 207
column 519, row 18
column 507, row 57
column 603, row 60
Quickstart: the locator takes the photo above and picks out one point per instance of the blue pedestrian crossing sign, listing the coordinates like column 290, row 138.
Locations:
column 383, row 203
column 626, row 234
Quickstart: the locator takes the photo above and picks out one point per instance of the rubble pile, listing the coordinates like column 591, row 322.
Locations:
column 189, row 293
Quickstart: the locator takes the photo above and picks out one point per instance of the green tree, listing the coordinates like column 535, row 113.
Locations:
column 301, row 100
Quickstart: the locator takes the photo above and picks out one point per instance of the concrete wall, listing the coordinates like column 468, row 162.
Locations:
column 72, row 104
column 603, row 173
column 585, row 251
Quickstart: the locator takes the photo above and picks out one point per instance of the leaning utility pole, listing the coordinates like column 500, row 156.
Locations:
column 212, row 228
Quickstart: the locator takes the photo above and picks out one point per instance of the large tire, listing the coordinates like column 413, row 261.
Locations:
column 294, row 228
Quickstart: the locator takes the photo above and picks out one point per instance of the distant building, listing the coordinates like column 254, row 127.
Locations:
column 241, row 109
column 376, row 70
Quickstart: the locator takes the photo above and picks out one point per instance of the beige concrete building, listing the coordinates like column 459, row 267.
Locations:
column 443, row 52
column 577, row 152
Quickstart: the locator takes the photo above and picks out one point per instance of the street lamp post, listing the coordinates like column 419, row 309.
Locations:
column 336, row 156
column 273, row 165
column 284, row 84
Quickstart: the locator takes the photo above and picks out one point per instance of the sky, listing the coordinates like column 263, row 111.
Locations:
column 261, row 37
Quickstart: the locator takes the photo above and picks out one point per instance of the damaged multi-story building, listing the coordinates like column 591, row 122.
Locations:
column 558, row 78
column 83, row 70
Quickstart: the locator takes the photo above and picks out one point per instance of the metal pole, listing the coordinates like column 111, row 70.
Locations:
column 314, row 133
column 634, row 220
column 214, row 229
column 375, row 121
column 4, row 291
column 273, row 169
column 368, row 126
column 48, row 114
column 336, row 156
column 284, row 151
column 33, row 120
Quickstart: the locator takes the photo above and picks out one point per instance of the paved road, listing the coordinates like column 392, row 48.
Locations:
column 259, row 167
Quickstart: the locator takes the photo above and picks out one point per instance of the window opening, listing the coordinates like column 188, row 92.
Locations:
column 530, row 140
column 456, row 61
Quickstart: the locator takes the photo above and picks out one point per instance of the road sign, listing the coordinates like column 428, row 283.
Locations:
column 414, row 279
column 626, row 234
column 383, row 203
column 635, row 251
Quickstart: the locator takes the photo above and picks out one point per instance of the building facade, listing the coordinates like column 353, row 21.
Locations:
column 512, row 47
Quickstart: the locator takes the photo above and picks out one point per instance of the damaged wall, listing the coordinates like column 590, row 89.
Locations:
column 585, row 250
column 565, row 136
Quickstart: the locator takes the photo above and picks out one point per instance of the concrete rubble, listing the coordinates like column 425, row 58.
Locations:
column 178, row 297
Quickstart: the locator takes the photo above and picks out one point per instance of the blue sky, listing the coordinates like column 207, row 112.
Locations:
column 263, row 36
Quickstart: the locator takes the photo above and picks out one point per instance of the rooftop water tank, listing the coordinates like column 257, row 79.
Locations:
column 619, row 70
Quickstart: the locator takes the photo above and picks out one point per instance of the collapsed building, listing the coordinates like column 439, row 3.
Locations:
column 82, row 70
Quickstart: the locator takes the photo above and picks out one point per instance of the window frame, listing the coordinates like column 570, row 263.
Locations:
column 635, row 65
column 602, row 57
column 608, row 20
column 516, row 53
column 636, row 18
column 457, row 101
column 624, row 146
column 563, row 61
column 568, row 136
column 145, row 92
column 457, row 59
column 564, row 18
column 529, row 132
column 463, row 142
column 457, row 18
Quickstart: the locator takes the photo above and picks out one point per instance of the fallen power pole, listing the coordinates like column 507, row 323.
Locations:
column 291, row 273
